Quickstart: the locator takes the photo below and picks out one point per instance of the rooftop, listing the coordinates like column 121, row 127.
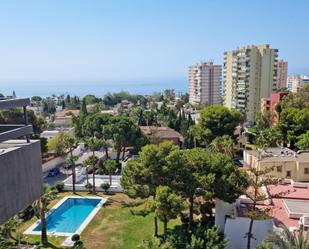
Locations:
column 288, row 202
column 281, row 154
column 66, row 112
column 161, row 132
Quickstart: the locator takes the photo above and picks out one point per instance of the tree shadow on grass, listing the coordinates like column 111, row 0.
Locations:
column 49, row 245
column 109, row 202
column 133, row 203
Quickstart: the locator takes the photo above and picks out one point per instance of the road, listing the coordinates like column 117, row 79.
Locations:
column 54, row 179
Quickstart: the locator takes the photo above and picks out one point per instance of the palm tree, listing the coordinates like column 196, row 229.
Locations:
column 70, row 143
column 106, row 144
column 289, row 240
column 224, row 144
column 40, row 207
column 86, row 164
column 94, row 144
column 8, row 228
column 110, row 166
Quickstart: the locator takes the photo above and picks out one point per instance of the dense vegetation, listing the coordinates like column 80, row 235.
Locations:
column 293, row 125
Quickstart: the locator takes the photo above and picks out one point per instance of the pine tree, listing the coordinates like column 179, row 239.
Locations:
column 83, row 109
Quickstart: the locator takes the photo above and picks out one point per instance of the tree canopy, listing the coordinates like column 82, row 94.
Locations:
column 217, row 121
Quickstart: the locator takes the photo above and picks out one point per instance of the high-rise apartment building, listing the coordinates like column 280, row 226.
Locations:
column 205, row 83
column 296, row 82
column 249, row 74
column 282, row 74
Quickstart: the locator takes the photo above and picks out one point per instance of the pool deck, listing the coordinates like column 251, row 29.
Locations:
column 31, row 231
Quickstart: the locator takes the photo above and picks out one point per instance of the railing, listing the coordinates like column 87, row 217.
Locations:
column 8, row 132
column 14, row 103
column 13, row 131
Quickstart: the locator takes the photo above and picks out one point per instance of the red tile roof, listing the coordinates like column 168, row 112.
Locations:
column 277, row 209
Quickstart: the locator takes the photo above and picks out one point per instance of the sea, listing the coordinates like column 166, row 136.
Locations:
column 98, row 88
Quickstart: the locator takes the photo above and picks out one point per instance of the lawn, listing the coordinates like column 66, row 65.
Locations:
column 114, row 227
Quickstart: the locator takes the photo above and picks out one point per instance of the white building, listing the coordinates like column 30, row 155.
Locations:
column 205, row 83
column 296, row 82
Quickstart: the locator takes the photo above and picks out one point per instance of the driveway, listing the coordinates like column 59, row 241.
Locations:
column 54, row 179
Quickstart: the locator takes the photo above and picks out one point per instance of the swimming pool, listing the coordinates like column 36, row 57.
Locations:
column 71, row 215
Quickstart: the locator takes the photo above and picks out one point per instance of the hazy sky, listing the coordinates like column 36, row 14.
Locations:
column 128, row 39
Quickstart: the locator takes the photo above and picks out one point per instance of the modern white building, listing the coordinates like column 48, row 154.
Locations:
column 250, row 73
column 205, row 83
column 296, row 82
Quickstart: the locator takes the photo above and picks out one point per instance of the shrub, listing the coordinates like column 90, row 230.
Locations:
column 75, row 237
column 26, row 214
column 78, row 244
column 88, row 186
column 105, row 186
column 59, row 186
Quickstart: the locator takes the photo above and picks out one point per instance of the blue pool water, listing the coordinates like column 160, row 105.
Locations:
column 69, row 215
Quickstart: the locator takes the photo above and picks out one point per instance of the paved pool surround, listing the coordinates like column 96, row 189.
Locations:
column 74, row 214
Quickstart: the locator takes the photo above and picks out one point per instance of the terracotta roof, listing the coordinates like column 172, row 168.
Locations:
column 277, row 209
column 66, row 112
column 161, row 132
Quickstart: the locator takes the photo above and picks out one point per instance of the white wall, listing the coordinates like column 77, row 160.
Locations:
column 222, row 210
column 237, row 229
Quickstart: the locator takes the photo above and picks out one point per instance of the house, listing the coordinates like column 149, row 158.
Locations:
column 269, row 104
column 64, row 118
column 160, row 134
column 286, row 163
column 48, row 134
column 289, row 208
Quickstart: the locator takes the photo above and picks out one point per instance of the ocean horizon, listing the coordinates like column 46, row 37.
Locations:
column 98, row 88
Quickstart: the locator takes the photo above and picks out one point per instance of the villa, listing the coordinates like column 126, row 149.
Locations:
column 160, row 134
column 64, row 118
column 287, row 202
column 286, row 163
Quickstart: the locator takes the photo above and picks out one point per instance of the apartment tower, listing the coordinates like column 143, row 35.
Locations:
column 282, row 74
column 297, row 82
column 250, row 73
column 205, row 83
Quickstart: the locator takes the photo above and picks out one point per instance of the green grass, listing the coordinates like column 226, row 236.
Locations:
column 114, row 227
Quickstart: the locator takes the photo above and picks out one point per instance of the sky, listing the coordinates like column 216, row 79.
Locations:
column 134, row 39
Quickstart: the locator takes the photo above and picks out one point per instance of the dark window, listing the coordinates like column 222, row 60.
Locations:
column 306, row 170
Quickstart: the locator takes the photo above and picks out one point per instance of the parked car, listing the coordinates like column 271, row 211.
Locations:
column 53, row 172
column 67, row 166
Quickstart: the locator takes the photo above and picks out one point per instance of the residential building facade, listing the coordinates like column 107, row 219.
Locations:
column 282, row 74
column 250, row 73
column 205, row 83
column 269, row 104
column 286, row 164
column 296, row 82
column 20, row 164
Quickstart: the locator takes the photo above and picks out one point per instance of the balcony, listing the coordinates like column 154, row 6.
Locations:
column 20, row 164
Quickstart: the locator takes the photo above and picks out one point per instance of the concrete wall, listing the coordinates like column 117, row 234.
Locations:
column 20, row 178
column 80, row 186
column 53, row 164
column 223, row 210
